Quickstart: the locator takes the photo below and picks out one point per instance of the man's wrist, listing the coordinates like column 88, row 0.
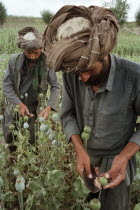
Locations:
column 77, row 142
column 48, row 108
column 129, row 151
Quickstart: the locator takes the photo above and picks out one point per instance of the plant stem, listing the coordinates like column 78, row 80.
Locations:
column 20, row 199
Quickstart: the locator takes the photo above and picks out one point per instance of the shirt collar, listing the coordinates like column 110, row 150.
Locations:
column 110, row 80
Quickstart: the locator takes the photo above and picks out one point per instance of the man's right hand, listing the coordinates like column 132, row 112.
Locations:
column 83, row 160
column 23, row 110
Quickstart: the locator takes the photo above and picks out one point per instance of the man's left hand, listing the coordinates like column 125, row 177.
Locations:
column 45, row 112
column 117, row 172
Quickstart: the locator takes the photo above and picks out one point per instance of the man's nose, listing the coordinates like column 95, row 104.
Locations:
column 84, row 76
column 32, row 56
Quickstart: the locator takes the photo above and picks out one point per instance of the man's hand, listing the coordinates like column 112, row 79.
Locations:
column 83, row 163
column 45, row 112
column 23, row 110
column 83, row 160
column 117, row 172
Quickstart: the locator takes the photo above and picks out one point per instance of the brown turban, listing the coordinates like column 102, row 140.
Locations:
column 29, row 39
column 79, row 36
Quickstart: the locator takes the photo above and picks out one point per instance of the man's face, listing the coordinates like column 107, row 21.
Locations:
column 33, row 55
column 96, row 75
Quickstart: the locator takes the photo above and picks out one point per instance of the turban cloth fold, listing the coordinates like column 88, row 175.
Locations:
column 29, row 39
column 78, row 36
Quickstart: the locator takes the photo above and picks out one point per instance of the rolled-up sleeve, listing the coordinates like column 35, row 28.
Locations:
column 55, row 90
column 8, row 85
column 136, row 135
column 68, row 114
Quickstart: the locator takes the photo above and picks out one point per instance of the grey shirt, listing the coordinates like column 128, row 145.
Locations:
column 111, row 112
column 16, row 62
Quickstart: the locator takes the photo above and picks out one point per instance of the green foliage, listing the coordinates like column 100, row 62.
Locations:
column 3, row 13
column 128, row 46
column 138, row 17
column 120, row 8
column 46, row 16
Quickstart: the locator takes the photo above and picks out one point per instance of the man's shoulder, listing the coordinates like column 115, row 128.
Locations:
column 16, row 56
column 128, row 65
column 16, row 59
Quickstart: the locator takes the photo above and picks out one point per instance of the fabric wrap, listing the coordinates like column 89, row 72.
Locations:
column 82, row 49
column 29, row 39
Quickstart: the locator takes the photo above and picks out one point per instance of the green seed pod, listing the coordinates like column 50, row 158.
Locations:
column 87, row 129
column 85, row 136
column 26, row 118
column 11, row 127
column 103, row 181
column 137, row 206
column 40, row 95
column 55, row 117
column 17, row 106
column 51, row 136
column 16, row 110
column 25, row 125
column 43, row 128
column 20, row 186
column 16, row 172
column 1, row 117
column 41, row 108
column 6, row 146
column 41, row 119
column 95, row 204
column 21, row 178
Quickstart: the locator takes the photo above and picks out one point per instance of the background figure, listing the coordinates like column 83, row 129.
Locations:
column 101, row 91
column 26, row 77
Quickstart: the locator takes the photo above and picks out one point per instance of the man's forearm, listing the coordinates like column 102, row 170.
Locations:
column 77, row 142
column 130, row 150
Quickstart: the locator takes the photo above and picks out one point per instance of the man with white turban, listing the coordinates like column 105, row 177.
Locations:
column 26, row 77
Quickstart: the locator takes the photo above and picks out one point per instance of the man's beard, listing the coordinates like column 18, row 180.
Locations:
column 32, row 62
column 100, row 78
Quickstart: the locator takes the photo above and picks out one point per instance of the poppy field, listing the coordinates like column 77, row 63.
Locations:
column 43, row 176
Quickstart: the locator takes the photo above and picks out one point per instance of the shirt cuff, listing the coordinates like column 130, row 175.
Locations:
column 135, row 138
column 71, row 130
column 53, row 106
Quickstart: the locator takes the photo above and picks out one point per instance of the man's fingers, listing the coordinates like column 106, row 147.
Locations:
column 88, row 171
column 97, row 183
column 31, row 115
column 80, row 171
column 107, row 176
column 97, row 170
column 45, row 116
column 27, row 111
column 114, row 182
column 41, row 113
